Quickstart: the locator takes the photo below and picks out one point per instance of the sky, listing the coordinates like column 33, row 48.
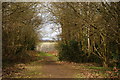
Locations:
column 49, row 28
column 49, row 31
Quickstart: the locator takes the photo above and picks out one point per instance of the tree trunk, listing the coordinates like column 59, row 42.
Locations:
column 105, row 64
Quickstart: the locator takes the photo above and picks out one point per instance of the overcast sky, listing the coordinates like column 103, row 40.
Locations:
column 50, row 29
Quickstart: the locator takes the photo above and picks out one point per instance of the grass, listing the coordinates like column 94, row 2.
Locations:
column 94, row 71
column 99, row 68
column 34, row 69
column 44, row 54
column 96, row 67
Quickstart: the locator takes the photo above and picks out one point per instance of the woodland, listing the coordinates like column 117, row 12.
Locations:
column 90, row 34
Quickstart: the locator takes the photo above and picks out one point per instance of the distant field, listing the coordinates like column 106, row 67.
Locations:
column 46, row 46
column 48, row 43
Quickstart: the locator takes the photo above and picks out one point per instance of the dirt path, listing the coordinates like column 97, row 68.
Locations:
column 55, row 69
column 49, row 67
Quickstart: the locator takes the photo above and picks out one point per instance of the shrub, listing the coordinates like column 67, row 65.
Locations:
column 71, row 51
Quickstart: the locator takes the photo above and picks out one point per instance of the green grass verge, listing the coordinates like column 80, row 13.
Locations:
column 44, row 54
column 99, row 68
